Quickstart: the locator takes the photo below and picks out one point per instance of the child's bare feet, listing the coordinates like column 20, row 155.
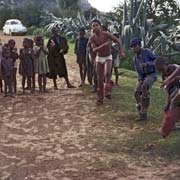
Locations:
column 55, row 88
column 99, row 102
column 70, row 86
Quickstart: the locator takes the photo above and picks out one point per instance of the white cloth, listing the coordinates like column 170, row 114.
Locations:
column 103, row 59
column 116, row 62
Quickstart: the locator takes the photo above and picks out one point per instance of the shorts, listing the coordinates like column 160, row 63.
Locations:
column 148, row 81
column 102, row 60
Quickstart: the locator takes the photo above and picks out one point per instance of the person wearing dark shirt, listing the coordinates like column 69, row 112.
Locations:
column 58, row 47
column 145, row 68
column 14, row 55
column 80, row 51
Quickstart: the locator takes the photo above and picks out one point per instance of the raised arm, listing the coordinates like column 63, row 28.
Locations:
column 115, row 39
column 172, row 77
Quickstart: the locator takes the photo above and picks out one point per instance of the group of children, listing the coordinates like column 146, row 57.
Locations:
column 96, row 57
column 104, row 50
column 33, row 60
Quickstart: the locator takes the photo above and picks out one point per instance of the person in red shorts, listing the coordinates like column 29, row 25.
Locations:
column 171, row 84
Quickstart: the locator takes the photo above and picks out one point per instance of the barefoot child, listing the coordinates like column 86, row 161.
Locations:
column 1, row 77
column 7, row 65
column 40, row 63
column 101, row 45
column 80, row 51
column 14, row 56
column 171, row 84
column 116, row 59
column 26, row 64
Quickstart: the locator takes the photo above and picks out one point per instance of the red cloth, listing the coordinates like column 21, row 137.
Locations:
column 170, row 118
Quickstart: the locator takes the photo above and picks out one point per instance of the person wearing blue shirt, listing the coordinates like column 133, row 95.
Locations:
column 144, row 65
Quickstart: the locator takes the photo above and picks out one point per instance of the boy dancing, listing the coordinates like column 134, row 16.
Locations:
column 171, row 83
column 145, row 68
column 101, row 45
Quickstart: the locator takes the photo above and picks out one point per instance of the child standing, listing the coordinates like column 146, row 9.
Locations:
column 7, row 65
column 40, row 63
column 80, row 51
column 14, row 56
column 1, row 83
column 26, row 63
column 171, row 83
column 115, row 58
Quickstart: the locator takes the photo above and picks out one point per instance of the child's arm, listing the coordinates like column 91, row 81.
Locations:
column 115, row 39
column 37, row 52
column 45, row 50
column 172, row 77
column 96, row 48
column 21, row 54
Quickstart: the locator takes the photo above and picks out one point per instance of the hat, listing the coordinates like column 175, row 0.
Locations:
column 135, row 41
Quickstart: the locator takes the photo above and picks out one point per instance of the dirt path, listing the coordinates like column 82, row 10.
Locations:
column 57, row 136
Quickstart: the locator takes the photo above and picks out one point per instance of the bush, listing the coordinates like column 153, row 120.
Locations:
column 38, row 32
column 128, row 62
column 30, row 30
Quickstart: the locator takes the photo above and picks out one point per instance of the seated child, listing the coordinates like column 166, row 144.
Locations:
column 171, row 83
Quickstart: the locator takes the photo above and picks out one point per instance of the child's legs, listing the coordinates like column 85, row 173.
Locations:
column 44, row 82
column 40, row 78
column 94, row 75
column 84, row 71
column 107, row 74
column 100, row 79
column 29, row 79
column 81, row 71
column 145, row 89
column 1, row 85
column 15, row 80
column 54, row 82
column 23, row 82
column 116, row 74
column 34, row 81
column 170, row 118
column 10, row 84
column 5, row 85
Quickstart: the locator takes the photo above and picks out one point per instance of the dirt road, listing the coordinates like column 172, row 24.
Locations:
column 57, row 136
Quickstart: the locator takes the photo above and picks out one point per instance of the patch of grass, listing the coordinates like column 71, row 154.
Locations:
column 120, row 132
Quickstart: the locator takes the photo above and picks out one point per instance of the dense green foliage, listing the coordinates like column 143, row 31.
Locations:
column 68, row 7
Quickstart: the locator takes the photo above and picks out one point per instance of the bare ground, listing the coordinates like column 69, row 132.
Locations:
column 62, row 136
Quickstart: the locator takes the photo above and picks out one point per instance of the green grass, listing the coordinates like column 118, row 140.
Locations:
column 122, row 134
